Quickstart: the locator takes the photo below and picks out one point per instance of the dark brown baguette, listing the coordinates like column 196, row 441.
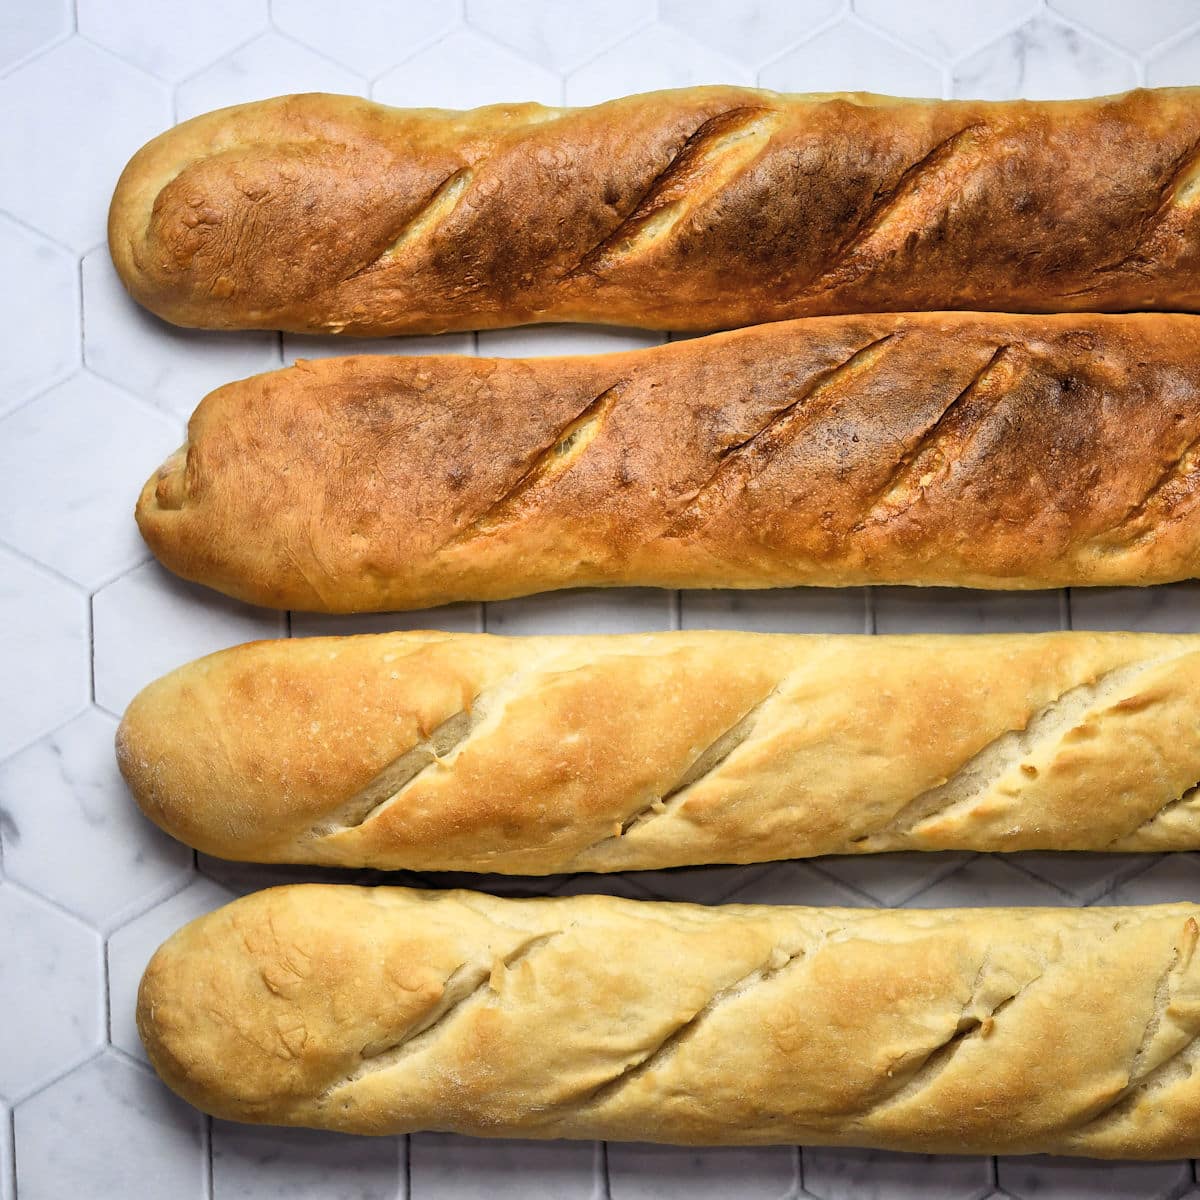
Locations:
column 696, row 209
column 533, row 755
column 954, row 449
column 971, row 1031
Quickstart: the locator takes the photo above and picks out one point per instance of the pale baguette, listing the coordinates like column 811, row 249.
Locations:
column 978, row 1031
column 695, row 209
column 542, row 754
column 952, row 449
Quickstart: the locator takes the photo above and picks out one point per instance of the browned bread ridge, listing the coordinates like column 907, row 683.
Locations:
column 979, row 450
column 696, row 209
column 971, row 1031
column 534, row 755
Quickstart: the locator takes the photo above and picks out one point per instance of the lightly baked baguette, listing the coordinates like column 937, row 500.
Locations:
column 696, row 209
column 974, row 1031
column 950, row 448
column 433, row 751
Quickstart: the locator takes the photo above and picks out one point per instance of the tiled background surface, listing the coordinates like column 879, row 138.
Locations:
column 93, row 393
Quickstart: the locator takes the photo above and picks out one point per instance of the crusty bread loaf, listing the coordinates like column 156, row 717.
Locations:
column 469, row 752
column 383, row 1010
column 697, row 209
column 961, row 449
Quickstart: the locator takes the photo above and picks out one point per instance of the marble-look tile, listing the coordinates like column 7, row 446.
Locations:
column 961, row 610
column 71, row 464
column 1135, row 27
column 70, row 148
column 271, row 65
column 1170, row 879
column 367, row 36
column 891, row 879
column 1085, row 877
column 172, row 367
column 777, row 610
column 1173, row 608
column 465, row 70
column 50, row 976
column 657, row 56
column 454, row 618
column 38, row 307
column 1176, row 66
column 751, row 30
column 539, row 341
column 251, row 1162
column 1043, row 60
column 148, row 622
column 8, row 1166
column 832, row 1173
column 556, row 35
column 442, row 1166
column 637, row 1171
column 71, row 831
column 849, row 56
column 584, row 610
column 194, row 36
column 696, row 885
column 27, row 28
column 987, row 882
column 131, row 947
column 794, row 883
column 109, row 1129
column 44, row 649
column 1041, row 1177
column 302, row 345
column 945, row 29
column 625, row 886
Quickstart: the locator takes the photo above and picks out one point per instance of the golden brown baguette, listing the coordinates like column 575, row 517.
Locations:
column 975, row 1031
column 535, row 755
column 957, row 449
column 696, row 209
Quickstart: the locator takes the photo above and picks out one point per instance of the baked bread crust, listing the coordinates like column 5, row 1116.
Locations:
column 696, row 209
column 977, row 1031
column 966, row 449
column 431, row 751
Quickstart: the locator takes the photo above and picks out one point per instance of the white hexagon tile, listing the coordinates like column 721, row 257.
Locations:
column 94, row 392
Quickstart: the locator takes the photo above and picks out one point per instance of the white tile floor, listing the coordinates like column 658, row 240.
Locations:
column 93, row 392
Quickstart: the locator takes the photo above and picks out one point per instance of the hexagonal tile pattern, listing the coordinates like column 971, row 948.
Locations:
column 195, row 35
column 71, row 832
column 836, row 1174
column 1137, row 27
column 852, row 57
column 1176, row 66
column 270, row 65
column 1044, row 60
column 1170, row 879
column 658, row 56
column 133, row 945
column 465, row 70
column 558, row 36
column 251, row 1162
column 594, row 610
column 175, row 368
column 455, row 618
column 71, row 465
column 1084, row 877
column 644, row 1172
column 793, row 883
column 50, row 975
column 148, row 622
column 1172, row 608
column 891, row 879
column 777, row 610
column 70, row 148
column 1079, row 1179
column 445, row 1167
column 945, row 29
column 26, row 29
column 112, row 1127
column 297, row 346
column 944, row 610
column 39, row 307
column 368, row 36
column 43, row 637
column 758, row 31
column 986, row 883
column 7, row 1164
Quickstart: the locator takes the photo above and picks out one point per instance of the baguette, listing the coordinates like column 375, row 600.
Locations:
column 544, row 754
column 696, row 209
column 972, row 1031
column 953, row 449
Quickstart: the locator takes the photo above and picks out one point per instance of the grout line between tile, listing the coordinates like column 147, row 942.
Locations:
column 208, row 1157
column 12, row 1144
column 605, row 1177
column 406, row 1168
